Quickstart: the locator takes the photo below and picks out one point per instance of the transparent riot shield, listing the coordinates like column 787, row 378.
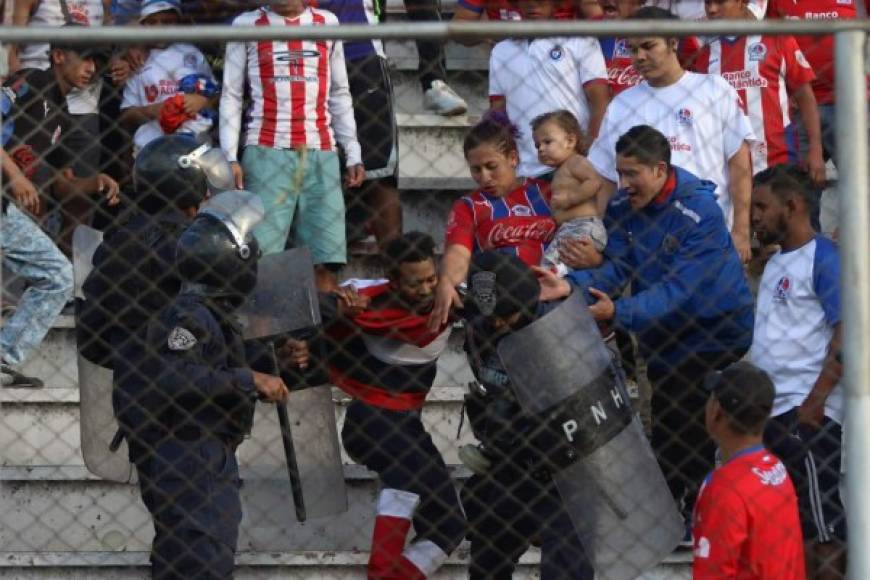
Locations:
column 299, row 442
column 602, row 464
column 285, row 298
column 104, row 453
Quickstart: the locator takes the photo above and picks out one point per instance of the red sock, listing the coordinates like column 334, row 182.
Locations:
column 395, row 508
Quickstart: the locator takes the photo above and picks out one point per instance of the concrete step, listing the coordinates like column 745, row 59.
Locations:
column 430, row 146
column 402, row 55
column 41, row 428
column 332, row 565
column 67, row 509
column 55, row 360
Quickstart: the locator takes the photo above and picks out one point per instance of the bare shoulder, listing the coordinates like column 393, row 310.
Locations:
column 580, row 168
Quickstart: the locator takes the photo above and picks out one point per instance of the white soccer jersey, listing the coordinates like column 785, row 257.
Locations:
column 300, row 97
column 798, row 307
column 540, row 76
column 157, row 81
column 699, row 114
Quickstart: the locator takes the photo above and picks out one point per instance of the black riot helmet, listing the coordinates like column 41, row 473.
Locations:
column 217, row 254
column 178, row 170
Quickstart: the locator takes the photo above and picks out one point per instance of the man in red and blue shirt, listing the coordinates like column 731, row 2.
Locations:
column 746, row 518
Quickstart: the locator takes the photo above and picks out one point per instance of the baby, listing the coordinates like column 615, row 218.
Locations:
column 575, row 186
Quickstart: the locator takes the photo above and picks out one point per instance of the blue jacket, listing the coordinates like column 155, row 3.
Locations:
column 689, row 291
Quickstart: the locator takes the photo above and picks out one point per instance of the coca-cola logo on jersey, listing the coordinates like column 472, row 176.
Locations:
column 627, row 76
column 507, row 233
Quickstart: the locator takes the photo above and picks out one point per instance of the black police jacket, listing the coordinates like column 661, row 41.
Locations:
column 133, row 278
column 195, row 377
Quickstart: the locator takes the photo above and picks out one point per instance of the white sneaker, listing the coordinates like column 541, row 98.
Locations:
column 443, row 100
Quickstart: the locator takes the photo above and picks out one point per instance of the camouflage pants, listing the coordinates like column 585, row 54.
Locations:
column 28, row 252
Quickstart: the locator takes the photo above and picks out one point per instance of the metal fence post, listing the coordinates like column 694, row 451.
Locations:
column 854, row 193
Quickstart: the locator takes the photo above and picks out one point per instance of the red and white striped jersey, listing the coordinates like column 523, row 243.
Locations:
column 764, row 70
column 300, row 97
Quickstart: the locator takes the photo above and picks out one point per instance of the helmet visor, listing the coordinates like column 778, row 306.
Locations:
column 214, row 166
column 240, row 211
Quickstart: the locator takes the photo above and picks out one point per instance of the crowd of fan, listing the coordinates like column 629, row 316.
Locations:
column 752, row 115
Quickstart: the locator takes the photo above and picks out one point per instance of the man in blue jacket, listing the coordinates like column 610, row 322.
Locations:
column 690, row 305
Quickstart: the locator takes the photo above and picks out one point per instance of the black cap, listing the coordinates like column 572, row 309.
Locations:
column 500, row 284
column 744, row 391
column 82, row 49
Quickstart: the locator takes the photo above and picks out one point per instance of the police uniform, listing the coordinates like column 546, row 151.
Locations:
column 133, row 276
column 511, row 500
column 515, row 501
column 186, row 398
column 203, row 398
column 386, row 359
column 134, row 273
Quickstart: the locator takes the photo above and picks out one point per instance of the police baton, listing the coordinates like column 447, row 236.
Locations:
column 289, row 447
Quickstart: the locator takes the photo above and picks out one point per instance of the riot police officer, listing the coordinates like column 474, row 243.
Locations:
column 133, row 271
column 511, row 499
column 200, row 394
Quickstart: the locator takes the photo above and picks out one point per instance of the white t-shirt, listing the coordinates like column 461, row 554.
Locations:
column 157, row 81
column 49, row 13
column 798, row 307
column 544, row 75
column 699, row 114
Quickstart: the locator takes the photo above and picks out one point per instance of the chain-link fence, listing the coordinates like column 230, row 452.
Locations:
column 253, row 319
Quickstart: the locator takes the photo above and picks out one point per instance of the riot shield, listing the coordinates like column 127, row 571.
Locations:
column 285, row 300
column 104, row 454
column 602, row 464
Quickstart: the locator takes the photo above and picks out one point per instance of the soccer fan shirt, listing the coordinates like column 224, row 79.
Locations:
column 540, row 76
column 519, row 223
column 621, row 72
column 157, row 81
column 764, row 70
column 819, row 50
column 746, row 524
column 700, row 115
column 797, row 309
column 300, row 97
